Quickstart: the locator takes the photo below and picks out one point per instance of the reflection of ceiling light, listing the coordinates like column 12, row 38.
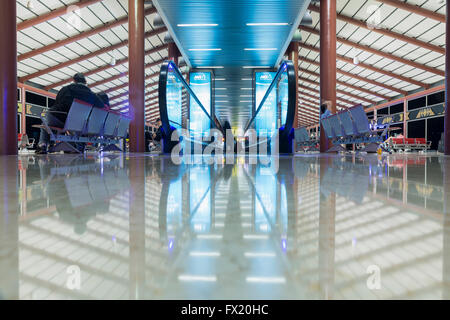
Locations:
column 209, row 236
column 204, row 254
column 197, row 25
column 266, row 279
column 255, row 67
column 210, row 67
column 260, row 254
column 205, row 49
column 268, row 24
column 187, row 277
column 260, row 49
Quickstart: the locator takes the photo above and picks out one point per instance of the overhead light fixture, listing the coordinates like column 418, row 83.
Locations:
column 222, row 101
column 246, row 89
column 113, row 61
column 197, row 25
column 210, row 67
column 221, row 95
column 245, row 95
column 260, row 49
column 255, row 67
column 221, row 88
column 266, row 279
column 245, row 101
column 268, row 24
column 30, row 5
column 355, row 60
column 205, row 49
column 220, row 79
column 247, row 79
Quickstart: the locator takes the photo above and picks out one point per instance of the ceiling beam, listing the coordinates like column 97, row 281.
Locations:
column 124, row 94
column 415, row 9
column 123, row 74
column 53, row 14
column 378, row 52
column 87, row 56
column 80, row 36
column 352, row 103
column 351, row 75
column 316, row 100
column 386, row 32
column 103, row 68
column 342, row 83
column 147, row 94
column 340, row 91
column 369, row 67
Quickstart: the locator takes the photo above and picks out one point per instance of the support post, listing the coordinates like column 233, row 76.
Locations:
column 23, row 118
column 8, row 78
column 136, row 48
column 447, row 85
column 327, row 61
column 173, row 53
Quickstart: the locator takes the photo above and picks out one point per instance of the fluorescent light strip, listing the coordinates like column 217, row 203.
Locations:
column 210, row 236
column 247, row 79
column 256, row 237
column 256, row 67
column 204, row 254
column 221, row 88
column 197, row 25
column 245, row 101
column 210, row 67
column 220, row 79
column 245, row 95
column 222, row 101
column 268, row 24
column 188, row 277
column 260, row 49
column 221, row 95
column 206, row 49
column 246, row 89
column 259, row 254
column 266, row 279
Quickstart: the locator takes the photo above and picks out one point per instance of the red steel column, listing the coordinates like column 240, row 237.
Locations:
column 327, row 61
column 174, row 53
column 8, row 78
column 447, row 86
column 136, row 24
column 293, row 56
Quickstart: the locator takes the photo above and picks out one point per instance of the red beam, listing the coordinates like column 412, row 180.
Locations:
column 415, row 9
column 386, row 32
column 86, row 57
column 53, row 14
column 82, row 35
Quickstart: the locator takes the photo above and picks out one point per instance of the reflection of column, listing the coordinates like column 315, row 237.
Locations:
column 9, row 233
column 446, row 231
column 327, row 60
column 136, row 48
column 327, row 213
column 447, row 87
column 8, row 78
column 137, row 227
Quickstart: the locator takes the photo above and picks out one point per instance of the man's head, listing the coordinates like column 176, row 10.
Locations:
column 79, row 78
column 158, row 121
column 324, row 106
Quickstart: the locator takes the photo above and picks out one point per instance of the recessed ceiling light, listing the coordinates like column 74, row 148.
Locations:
column 221, row 88
column 220, row 79
column 222, row 101
column 245, row 101
column 210, row 67
column 260, row 49
column 255, row 67
column 246, row 95
column 221, row 95
column 205, row 49
column 197, row 25
column 246, row 89
column 268, row 24
column 247, row 79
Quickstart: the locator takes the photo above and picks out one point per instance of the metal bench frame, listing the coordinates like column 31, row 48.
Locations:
column 76, row 128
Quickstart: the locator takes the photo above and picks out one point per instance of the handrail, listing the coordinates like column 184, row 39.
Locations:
column 289, row 68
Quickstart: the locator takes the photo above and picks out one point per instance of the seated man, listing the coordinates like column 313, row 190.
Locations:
column 324, row 110
column 76, row 90
column 104, row 98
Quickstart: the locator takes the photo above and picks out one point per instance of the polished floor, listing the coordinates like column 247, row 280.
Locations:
column 304, row 227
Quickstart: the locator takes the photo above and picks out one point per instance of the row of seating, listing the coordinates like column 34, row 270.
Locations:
column 88, row 124
column 407, row 144
column 352, row 126
column 304, row 141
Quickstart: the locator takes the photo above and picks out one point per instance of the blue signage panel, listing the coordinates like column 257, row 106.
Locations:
column 283, row 97
column 174, row 100
column 199, row 123
column 266, row 119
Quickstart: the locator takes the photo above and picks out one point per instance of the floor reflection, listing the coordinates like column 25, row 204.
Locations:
column 309, row 227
